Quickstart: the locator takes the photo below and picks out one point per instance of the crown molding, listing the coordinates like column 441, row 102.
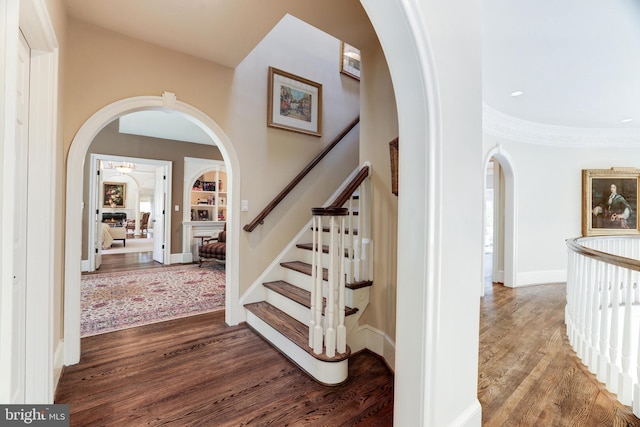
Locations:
column 507, row 127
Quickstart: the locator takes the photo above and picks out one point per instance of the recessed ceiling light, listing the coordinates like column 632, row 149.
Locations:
column 627, row 120
column 517, row 93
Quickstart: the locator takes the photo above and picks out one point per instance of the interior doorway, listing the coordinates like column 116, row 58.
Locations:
column 137, row 217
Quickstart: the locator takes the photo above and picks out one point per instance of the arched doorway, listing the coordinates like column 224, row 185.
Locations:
column 503, row 226
column 73, row 244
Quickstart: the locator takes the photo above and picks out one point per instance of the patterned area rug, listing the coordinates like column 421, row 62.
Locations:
column 113, row 301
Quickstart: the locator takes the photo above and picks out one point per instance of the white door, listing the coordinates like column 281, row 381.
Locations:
column 18, row 351
column 97, row 249
column 159, row 208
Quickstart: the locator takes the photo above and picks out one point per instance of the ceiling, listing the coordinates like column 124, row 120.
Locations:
column 576, row 61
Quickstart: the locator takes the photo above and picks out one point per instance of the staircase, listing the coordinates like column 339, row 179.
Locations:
column 280, row 306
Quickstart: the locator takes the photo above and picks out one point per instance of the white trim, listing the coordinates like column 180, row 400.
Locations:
column 379, row 342
column 406, row 45
column 507, row 127
column 91, row 231
column 74, row 206
column 31, row 17
column 9, row 17
column 471, row 416
column 181, row 258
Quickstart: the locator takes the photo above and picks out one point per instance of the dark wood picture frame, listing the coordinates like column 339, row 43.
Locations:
column 294, row 103
column 610, row 201
column 393, row 153
column 113, row 194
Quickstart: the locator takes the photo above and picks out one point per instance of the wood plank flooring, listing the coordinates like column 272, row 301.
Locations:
column 197, row 371
column 528, row 373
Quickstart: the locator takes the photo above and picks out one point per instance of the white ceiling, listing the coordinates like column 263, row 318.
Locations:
column 160, row 124
column 577, row 61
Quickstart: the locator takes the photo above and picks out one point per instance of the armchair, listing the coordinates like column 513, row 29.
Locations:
column 214, row 249
column 144, row 221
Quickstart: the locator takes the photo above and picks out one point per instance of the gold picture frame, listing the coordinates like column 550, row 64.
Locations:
column 349, row 60
column 610, row 201
column 113, row 194
column 294, row 103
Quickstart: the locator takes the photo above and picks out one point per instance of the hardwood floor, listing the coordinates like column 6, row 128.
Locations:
column 528, row 373
column 197, row 371
column 128, row 261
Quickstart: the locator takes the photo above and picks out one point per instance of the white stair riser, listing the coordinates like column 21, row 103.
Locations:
column 330, row 373
column 303, row 281
column 303, row 314
column 299, row 312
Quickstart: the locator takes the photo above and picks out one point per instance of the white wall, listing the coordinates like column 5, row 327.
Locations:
column 434, row 53
column 549, row 197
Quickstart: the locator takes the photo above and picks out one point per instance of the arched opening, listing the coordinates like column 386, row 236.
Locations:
column 73, row 244
column 500, row 224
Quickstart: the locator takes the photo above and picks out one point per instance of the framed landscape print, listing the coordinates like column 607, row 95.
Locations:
column 294, row 103
column 610, row 201
column 349, row 60
column 113, row 195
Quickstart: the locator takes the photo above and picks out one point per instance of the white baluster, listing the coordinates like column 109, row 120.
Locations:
column 625, row 387
column 349, row 251
column 356, row 259
column 342, row 330
column 329, row 316
column 604, row 326
column 314, row 249
column 318, row 333
column 595, row 316
column 613, row 370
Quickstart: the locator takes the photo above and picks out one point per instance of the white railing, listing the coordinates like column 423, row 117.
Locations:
column 603, row 311
column 342, row 255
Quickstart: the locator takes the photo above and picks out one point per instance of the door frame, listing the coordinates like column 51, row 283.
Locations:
column 74, row 205
column 41, row 352
column 91, row 237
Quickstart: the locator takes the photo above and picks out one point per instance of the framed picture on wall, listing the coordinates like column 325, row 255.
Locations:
column 113, row 195
column 610, row 201
column 294, row 103
column 349, row 60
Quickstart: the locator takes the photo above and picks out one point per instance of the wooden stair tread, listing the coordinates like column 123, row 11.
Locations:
column 304, row 268
column 300, row 295
column 293, row 330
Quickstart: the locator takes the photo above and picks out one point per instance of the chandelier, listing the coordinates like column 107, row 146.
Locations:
column 123, row 168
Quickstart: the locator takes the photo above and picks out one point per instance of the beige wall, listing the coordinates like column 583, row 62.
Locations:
column 103, row 67
column 111, row 141
column 380, row 126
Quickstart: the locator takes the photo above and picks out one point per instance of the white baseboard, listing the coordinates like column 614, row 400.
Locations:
column 375, row 340
column 181, row 258
column 84, row 265
column 471, row 417
column 58, row 364
column 540, row 277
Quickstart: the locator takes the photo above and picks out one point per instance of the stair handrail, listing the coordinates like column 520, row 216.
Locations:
column 259, row 219
column 351, row 188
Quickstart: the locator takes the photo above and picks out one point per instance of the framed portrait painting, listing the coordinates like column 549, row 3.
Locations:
column 113, row 195
column 294, row 103
column 610, row 201
column 349, row 60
